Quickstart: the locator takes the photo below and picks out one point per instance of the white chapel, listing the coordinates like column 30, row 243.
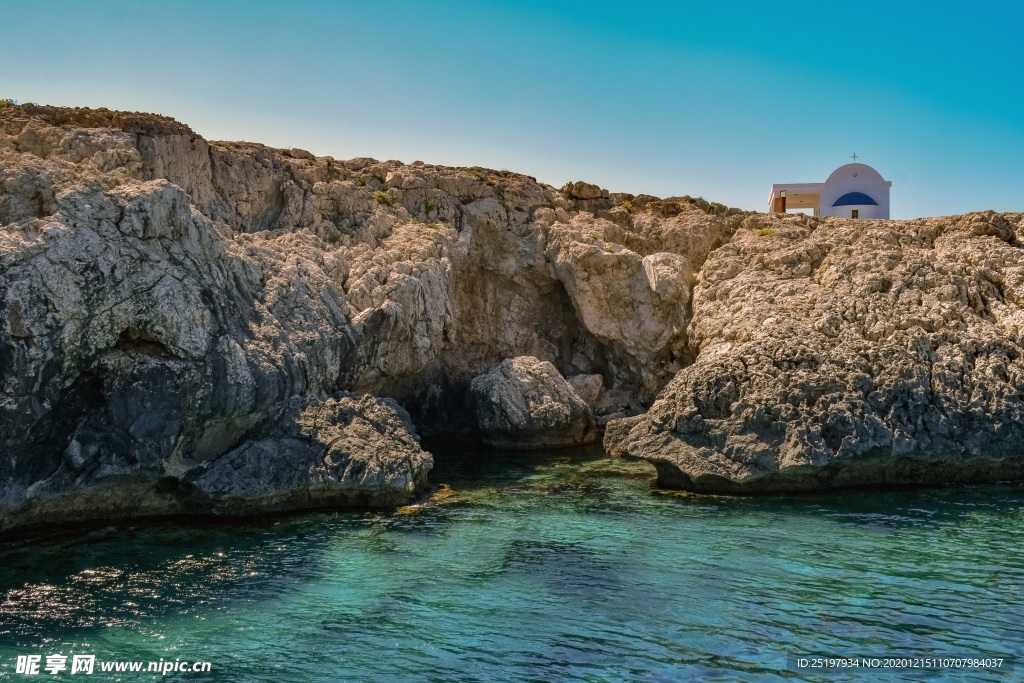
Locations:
column 852, row 191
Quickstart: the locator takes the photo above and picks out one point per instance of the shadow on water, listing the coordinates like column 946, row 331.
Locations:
column 556, row 471
column 893, row 508
column 146, row 544
column 469, row 467
column 88, row 575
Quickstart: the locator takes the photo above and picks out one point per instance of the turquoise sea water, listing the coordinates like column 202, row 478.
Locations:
column 546, row 567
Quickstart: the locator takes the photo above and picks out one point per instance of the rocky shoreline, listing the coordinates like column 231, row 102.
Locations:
column 190, row 326
column 838, row 353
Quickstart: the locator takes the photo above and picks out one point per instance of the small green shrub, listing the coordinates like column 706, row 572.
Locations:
column 7, row 102
column 764, row 232
column 361, row 181
column 480, row 175
column 433, row 226
column 429, row 205
column 699, row 202
column 383, row 198
column 609, row 250
column 627, row 205
column 414, row 220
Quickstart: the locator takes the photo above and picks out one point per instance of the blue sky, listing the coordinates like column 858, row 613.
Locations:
column 712, row 99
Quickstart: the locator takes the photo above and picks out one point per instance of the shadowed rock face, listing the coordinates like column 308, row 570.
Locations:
column 173, row 310
column 345, row 451
column 840, row 353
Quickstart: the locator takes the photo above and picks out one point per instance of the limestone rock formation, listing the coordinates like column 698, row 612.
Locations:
column 837, row 353
column 346, row 451
column 616, row 435
column 355, row 451
column 582, row 190
column 525, row 404
column 164, row 299
column 588, row 387
column 168, row 303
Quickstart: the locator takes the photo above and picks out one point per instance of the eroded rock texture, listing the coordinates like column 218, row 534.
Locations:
column 165, row 300
column 834, row 353
column 524, row 403
column 173, row 311
column 360, row 450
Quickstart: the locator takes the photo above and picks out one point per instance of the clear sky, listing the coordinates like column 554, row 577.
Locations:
column 712, row 99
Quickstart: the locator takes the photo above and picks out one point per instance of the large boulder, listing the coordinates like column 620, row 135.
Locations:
column 353, row 451
column 525, row 404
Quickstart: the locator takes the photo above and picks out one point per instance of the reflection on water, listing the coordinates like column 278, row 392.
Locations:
column 548, row 566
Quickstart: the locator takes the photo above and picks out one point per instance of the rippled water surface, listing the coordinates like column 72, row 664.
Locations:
column 543, row 567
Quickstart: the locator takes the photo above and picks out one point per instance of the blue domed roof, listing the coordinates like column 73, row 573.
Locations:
column 855, row 199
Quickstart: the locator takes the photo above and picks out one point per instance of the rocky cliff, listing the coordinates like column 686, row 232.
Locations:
column 178, row 316
column 836, row 353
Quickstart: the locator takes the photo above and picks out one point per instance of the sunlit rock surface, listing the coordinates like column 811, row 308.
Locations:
column 525, row 404
column 836, row 353
column 168, row 303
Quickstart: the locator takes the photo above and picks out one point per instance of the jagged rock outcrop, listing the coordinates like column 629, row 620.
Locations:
column 345, row 451
column 524, row 404
column 164, row 299
column 616, row 435
column 167, row 302
column 836, row 353
column 350, row 450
